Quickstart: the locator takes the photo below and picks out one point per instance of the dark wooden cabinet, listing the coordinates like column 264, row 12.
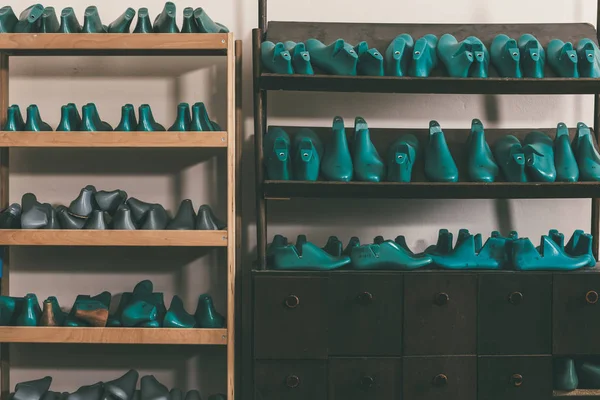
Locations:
column 440, row 378
column 440, row 312
column 365, row 314
column 515, row 314
column 290, row 380
column 365, row 378
column 514, row 378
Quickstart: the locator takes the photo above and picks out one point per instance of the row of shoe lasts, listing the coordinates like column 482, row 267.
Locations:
column 581, row 374
column 468, row 253
column 122, row 388
column 40, row 19
column 106, row 210
column 140, row 308
column 90, row 121
column 405, row 57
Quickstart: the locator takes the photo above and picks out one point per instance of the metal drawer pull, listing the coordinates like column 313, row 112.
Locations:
column 367, row 382
column 515, row 298
column 591, row 297
column 292, row 381
column 442, row 299
column 440, row 380
column 365, row 298
column 516, row 380
column 292, row 301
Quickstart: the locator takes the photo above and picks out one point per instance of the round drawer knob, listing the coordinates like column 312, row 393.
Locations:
column 367, row 382
column 440, row 380
column 365, row 298
column 292, row 301
column 441, row 299
column 591, row 297
column 516, row 380
column 515, row 298
column 292, row 381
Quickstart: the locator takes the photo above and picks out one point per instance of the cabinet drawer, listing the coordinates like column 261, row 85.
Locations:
column 576, row 313
column 290, row 317
column 515, row 312
column 365, row 314
column 515, row 378
column 440, row 313
column 365, row 379
column 290, row 380
column 440, row 378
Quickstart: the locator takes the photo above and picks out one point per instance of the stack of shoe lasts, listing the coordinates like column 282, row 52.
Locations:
column 570, row 374
column 122, row 388
column 40, row 19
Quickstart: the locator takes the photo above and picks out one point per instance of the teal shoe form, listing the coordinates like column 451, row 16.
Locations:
column 424, row 56
column 565, row 375
column 138, row 312
column 588, row 159
column 189, row 24
column 306, row 157
column 580, row 244
column 128, row 122
column 336, row 164
column 165, row 21
column 49, row 21
column 206, row 316
column 368, row 165
column 30, row 312
column 562, row 58
column 470, row 254
column 91, row 121
column 10, row 217
column 143, row 25
column 550, row 256
column 206, row 24
column 401, row 156
column 539, row 156
column 334, row 246
column 506, row 56
column 30, row 19
column 32, row 390
column 533, row 57
column 588, row 375
column 68, row 21
column 387, row 255
column 300, row 58
column 52, row 315
column 510, row 157
column 115, row 319
column 278, row 241
column 9, row 310
column 305, row 256
column 8, row 19
column 339, row 58
column 277, row 157
column 275, row 58
column 177, row 317
column 479, row 68
column 123, row 23
column 397, row 55
column 564, row 159
column 200, row 119
column 70, row 120
column 352, row 243
column 457, row 57
column 147, row 122
column 92, row 311
column 439, row 164
column 183, row 120
column 92, row 22
column 34, row 121
column 14, row 119
column 443, row 245
column 481, row 164
column 589, row 59
column 370, row 61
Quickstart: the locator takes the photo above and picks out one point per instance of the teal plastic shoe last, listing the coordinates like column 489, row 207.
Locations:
column 200, row 119
column 588, row 159
column 49, row 22
column 580, row 244
column 338, row 58
column 8, row 19
column 275, row 58
column 565, row 374
column 424, row 57
column 278, row 241
column 14, row 119
column 589, row 59
column 352, row 243
column 510, row 157
column 177, row 317
column 397, row 55
column 401, row 156
column 165, row 22
column 34, row 121
column 589, row 375
column 69, row 22
column 138, row 312
column 387, row 255
column 206, row 24
column 306, row 157
column 533, row 56
column 300, row 58
column 457, row 57
column 479, row 68
column 506, row 56
column 30, row 19
column 564, row 159
column 92, row 22
column 370, row 61
column 481, row 164
column 368, row 165
column 147, row 122
column 123, row 23
column 143, row 24
column 334, row 246
column 52, row 315
column 128, row 122
column 562, row 58
column 539, row 157
column 189, row 24
column 277, row 155
column 9, row 310
column 206, row 315
column 30, row 312
column 336, row 164
column 70, row 120
column 305, row 255
column 470, row 254
column 91, row 121
column 525, row 257
column 443, row 244
column 183, row 120
column 439, row 164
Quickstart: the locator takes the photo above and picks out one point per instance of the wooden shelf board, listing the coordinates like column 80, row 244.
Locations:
column 68, row 237
column 22, row 334
column 578, row 394
column 113, row 139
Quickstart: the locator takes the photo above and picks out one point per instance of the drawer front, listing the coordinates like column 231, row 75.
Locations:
column 440, row 312
column 440, row 378
column 365, row 314
column 576, row 313
column 515, row 378
column 290, row 317
column 515, row 314
column 290, row 380
column 365, row 379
